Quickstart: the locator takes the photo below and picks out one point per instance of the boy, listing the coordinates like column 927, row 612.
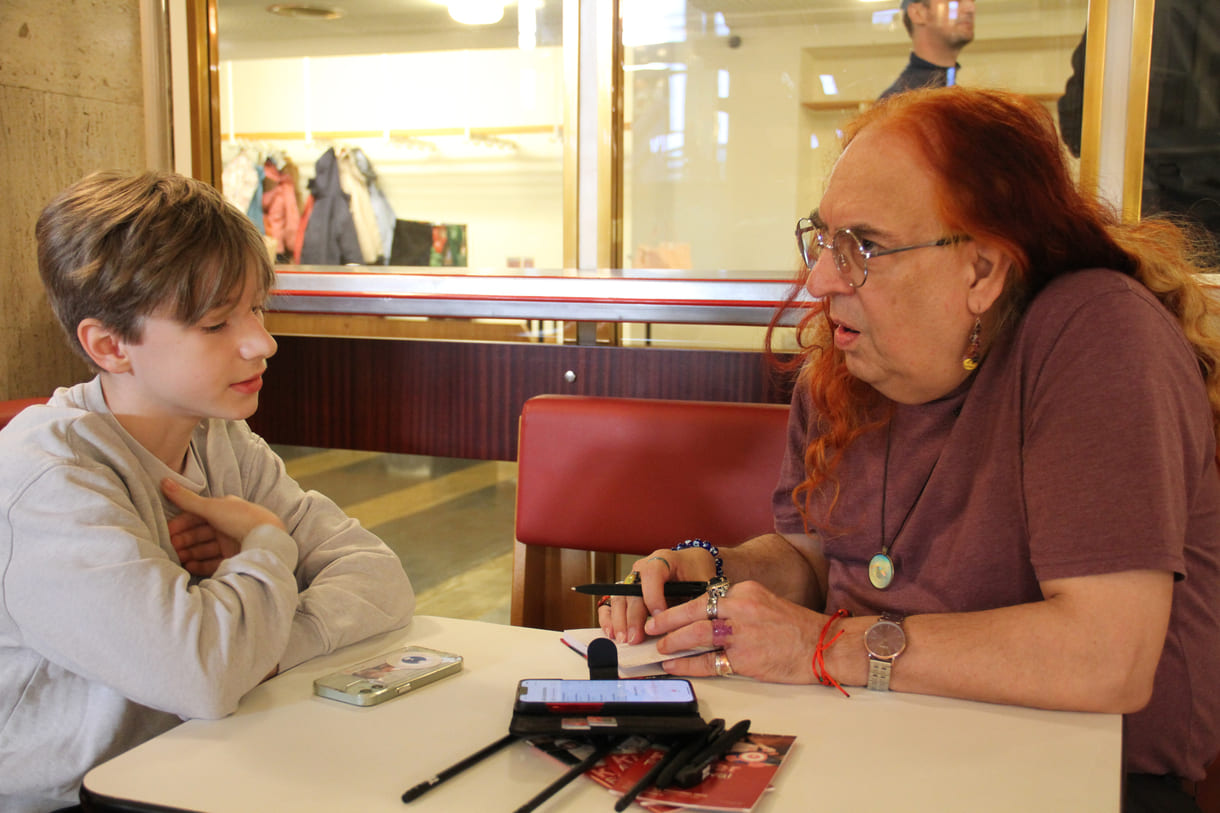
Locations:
column 156, row 561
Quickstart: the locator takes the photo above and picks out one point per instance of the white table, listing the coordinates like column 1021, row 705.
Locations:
column 287, row 750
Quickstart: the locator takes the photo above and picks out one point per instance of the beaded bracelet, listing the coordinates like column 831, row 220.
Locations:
column 819, row 666
column 707, row 546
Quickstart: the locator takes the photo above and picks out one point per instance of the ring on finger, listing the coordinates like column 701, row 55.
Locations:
column 720, row 631
column 604, row 601
column 712, row 601
column 718, row 587
column 722, row 665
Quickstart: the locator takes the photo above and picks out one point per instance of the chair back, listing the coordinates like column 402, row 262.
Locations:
column 10, row 408
column 601, row 476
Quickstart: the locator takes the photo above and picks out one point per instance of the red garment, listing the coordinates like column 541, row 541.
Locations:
column 1084, row 446
column 281, row 213
column 299, row 239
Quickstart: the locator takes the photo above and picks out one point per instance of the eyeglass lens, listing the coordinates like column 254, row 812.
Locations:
column 844, row 247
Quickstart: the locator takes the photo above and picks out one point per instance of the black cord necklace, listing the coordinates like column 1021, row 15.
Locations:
column 881, row 567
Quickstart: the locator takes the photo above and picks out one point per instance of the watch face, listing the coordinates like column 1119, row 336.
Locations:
column 885, row 639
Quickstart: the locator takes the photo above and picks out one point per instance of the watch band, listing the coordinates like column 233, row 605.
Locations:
column 879, row 674
column 885, row 641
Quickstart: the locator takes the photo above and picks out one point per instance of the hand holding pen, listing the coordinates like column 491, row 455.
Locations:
column 684, row 572
column 679, row 590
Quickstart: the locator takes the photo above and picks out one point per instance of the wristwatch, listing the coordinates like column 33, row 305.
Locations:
column 885, row 641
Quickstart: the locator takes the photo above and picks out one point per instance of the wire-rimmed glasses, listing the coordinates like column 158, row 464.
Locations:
column 850, row 251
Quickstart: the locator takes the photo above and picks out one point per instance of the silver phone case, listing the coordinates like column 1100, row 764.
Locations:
column 387, row 676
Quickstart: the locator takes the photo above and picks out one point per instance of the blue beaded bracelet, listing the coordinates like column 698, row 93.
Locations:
column 707, row 546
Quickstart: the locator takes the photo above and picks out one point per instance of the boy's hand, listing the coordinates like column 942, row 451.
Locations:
column 201, row 548
column 229, row 517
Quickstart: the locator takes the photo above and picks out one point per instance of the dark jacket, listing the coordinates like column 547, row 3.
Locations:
column 920, row 73
column 330, row 233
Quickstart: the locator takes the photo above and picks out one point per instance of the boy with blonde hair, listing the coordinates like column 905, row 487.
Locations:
column 156, row 561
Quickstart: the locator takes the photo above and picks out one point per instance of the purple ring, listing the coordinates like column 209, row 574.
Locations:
column 720, row 631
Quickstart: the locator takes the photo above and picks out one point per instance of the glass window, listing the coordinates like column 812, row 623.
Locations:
column 1182, row 143
column 730, row 116
column 445, row 134
column 733, row 109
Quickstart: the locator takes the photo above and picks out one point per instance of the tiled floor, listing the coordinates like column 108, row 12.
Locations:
column 449, row 520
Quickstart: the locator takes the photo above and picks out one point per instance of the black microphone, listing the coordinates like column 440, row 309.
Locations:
column 603, row 659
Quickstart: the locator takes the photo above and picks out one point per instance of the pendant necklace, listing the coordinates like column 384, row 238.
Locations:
column 881, row 566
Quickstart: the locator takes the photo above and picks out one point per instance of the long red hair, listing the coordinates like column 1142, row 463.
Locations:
column 1002, row 177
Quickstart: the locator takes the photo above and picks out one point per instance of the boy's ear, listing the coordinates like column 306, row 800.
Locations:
column 104, row 346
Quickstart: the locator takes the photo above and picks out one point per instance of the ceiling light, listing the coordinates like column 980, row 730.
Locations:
column 476, row 12
column 305, row 12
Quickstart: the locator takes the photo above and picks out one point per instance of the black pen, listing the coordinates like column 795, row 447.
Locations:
column 646, row 781
column 456, row 768
column 677, row 754
column 696, row 744
column 697, row 769
column 672, row 589
column 605, row 747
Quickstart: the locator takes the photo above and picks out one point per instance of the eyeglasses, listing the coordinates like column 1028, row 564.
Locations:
column 851, row 252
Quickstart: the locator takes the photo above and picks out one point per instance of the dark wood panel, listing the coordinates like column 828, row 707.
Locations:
column 462, row 399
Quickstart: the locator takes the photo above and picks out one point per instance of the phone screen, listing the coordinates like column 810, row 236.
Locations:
column 554, row 692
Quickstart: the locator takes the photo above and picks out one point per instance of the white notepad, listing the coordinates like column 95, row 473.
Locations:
column 634, row 660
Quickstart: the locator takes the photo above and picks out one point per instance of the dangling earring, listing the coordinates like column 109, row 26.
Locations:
column 970, row 361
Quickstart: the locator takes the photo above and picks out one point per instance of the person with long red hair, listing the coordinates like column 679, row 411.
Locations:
column 1001, row 481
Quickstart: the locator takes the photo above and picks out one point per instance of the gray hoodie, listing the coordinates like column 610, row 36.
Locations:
column 105, row 640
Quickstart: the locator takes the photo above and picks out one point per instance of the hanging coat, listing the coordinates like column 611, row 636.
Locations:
column 239, row 180
column 356, row 187
column 330, row 234
column 281, row 215
column 382, row 209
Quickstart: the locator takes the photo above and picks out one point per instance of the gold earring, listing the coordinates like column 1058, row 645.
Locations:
column 970, row 361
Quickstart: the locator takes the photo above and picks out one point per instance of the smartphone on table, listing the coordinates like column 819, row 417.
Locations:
column 605, row 697
column 388, row 676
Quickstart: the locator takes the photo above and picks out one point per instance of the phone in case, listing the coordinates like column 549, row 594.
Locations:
column 388, row 676
column 605, row 697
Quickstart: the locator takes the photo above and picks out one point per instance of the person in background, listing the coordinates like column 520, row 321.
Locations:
column 939, row 30
column 156, row 561
column 1181, row 171
column 1001, row 481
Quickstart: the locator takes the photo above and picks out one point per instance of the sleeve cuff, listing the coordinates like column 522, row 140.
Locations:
column 305, row 641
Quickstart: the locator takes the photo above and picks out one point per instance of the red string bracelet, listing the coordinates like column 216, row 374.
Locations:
column 819, row 666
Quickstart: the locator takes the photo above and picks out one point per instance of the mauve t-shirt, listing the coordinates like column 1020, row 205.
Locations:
column 1083, row 444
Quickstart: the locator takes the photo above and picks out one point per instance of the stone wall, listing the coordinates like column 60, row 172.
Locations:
column 71, row 102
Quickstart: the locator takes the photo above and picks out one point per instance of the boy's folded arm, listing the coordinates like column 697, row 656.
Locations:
column 89, row 586
column 352, row 585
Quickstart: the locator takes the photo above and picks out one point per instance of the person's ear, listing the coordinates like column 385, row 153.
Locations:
column 918, row 12
column 103, row 346
column 989, row 274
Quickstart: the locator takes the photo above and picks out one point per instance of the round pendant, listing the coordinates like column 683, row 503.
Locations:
column 881, row 571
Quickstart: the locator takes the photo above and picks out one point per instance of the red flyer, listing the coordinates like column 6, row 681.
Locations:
column 735, row 783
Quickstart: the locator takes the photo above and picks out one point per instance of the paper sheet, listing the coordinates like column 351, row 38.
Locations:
column 634, row 660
